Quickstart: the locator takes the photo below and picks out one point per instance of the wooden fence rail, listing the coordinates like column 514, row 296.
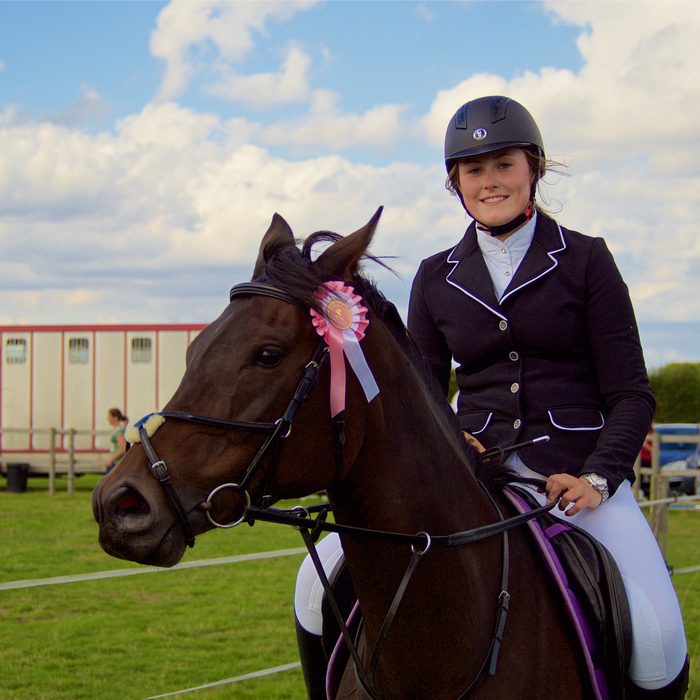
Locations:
column 54, row 460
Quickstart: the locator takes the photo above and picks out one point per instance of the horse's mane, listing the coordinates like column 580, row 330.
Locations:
column 290, row 269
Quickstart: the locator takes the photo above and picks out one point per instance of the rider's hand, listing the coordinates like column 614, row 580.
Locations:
column 473, row 442
column 572, row 491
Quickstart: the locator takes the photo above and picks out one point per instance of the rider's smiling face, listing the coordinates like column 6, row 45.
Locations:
column 496, row 186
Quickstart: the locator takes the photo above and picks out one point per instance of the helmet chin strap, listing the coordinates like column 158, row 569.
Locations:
column 518, row 221
column 511, row 225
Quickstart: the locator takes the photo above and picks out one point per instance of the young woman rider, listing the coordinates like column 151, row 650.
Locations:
column 539, row 323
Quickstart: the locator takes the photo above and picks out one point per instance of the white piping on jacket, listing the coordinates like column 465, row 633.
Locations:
column 455, row 263
column 563, row 427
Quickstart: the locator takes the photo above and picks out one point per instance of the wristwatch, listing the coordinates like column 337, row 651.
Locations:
column 599, row 483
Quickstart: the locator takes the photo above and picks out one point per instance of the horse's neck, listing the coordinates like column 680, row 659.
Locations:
column 411, row 475
column 410, row 455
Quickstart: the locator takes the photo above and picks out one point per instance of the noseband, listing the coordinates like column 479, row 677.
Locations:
column 276, row 432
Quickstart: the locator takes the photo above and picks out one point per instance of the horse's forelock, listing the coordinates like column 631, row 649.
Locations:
column 293, row 271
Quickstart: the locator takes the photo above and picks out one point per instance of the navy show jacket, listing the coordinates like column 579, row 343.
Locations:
column 559, row 355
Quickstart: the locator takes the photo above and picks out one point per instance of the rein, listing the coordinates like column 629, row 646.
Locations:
column 300, row 518
column 310, row 529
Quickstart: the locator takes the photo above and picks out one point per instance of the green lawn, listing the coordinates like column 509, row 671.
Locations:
column 137, row 636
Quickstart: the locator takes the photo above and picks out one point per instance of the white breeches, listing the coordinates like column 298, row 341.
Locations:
column 659, row 646
column 658, row 639
column 308, row 594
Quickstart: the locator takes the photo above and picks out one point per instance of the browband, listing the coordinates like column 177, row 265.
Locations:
column 261, row 289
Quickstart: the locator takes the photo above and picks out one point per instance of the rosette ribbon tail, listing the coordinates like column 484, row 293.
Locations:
column 334, row 338
column 359, row 365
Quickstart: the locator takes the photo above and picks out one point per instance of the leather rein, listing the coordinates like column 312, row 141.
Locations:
column 310, row 528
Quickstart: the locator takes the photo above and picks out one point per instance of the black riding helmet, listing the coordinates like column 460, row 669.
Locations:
column 490, row 124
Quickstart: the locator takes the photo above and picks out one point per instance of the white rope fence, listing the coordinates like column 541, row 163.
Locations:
column 226, row 681
column 668, row 501
column 117, row 573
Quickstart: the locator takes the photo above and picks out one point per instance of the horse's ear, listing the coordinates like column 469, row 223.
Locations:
column 341, row 260
column 278, row 236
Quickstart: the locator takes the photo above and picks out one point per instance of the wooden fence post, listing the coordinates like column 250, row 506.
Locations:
column 52, row 461
column 658, row 489
column 71, row 462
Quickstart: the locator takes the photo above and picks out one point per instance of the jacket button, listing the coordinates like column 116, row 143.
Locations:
column 503, row 325
column 517, row 423
column 514, row 388
column 513, row 355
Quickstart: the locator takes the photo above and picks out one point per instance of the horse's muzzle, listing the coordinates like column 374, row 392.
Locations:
column 129, row 528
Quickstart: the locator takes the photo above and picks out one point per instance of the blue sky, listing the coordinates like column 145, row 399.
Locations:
column 368, row 52
column 144, row 146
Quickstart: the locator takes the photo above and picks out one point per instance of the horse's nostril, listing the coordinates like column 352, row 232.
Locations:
column 131, row 503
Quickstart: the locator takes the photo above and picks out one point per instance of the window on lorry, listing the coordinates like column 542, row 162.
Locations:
column 15, row 351
column 141, row 350
column 78, row 351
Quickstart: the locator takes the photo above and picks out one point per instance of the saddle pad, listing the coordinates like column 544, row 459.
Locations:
column 340, row 656
column 593, row 593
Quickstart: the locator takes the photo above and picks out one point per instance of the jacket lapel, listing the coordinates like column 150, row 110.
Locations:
column 541, row 256
column 470, row 274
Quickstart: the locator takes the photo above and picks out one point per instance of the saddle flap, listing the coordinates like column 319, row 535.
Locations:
column 595, row 578
column 585, row 571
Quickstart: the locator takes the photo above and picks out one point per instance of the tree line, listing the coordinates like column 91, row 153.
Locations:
column 676, row 388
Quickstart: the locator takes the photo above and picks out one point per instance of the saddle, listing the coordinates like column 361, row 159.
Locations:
column 592, row 591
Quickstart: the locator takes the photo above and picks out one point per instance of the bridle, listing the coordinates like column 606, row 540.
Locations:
column 310, row 528
column 276, row 432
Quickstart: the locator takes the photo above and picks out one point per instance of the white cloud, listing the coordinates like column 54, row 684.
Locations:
column 162, row 216
column 634, row 88
column 424, row 12
column 225, row 28
column 89, row 106
column 211, row 39
column 325, row 125
column 261, row 90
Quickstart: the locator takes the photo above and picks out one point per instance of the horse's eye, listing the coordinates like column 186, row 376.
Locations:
column 268, row 356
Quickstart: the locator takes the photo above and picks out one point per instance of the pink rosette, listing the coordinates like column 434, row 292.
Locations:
column 342, row 324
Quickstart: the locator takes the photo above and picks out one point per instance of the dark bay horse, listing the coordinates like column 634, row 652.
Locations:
column 403, row 468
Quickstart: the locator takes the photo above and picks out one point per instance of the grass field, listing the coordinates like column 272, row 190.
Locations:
column 137, row 636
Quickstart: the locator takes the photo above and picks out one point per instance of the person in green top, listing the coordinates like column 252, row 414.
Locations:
column 118, row 422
